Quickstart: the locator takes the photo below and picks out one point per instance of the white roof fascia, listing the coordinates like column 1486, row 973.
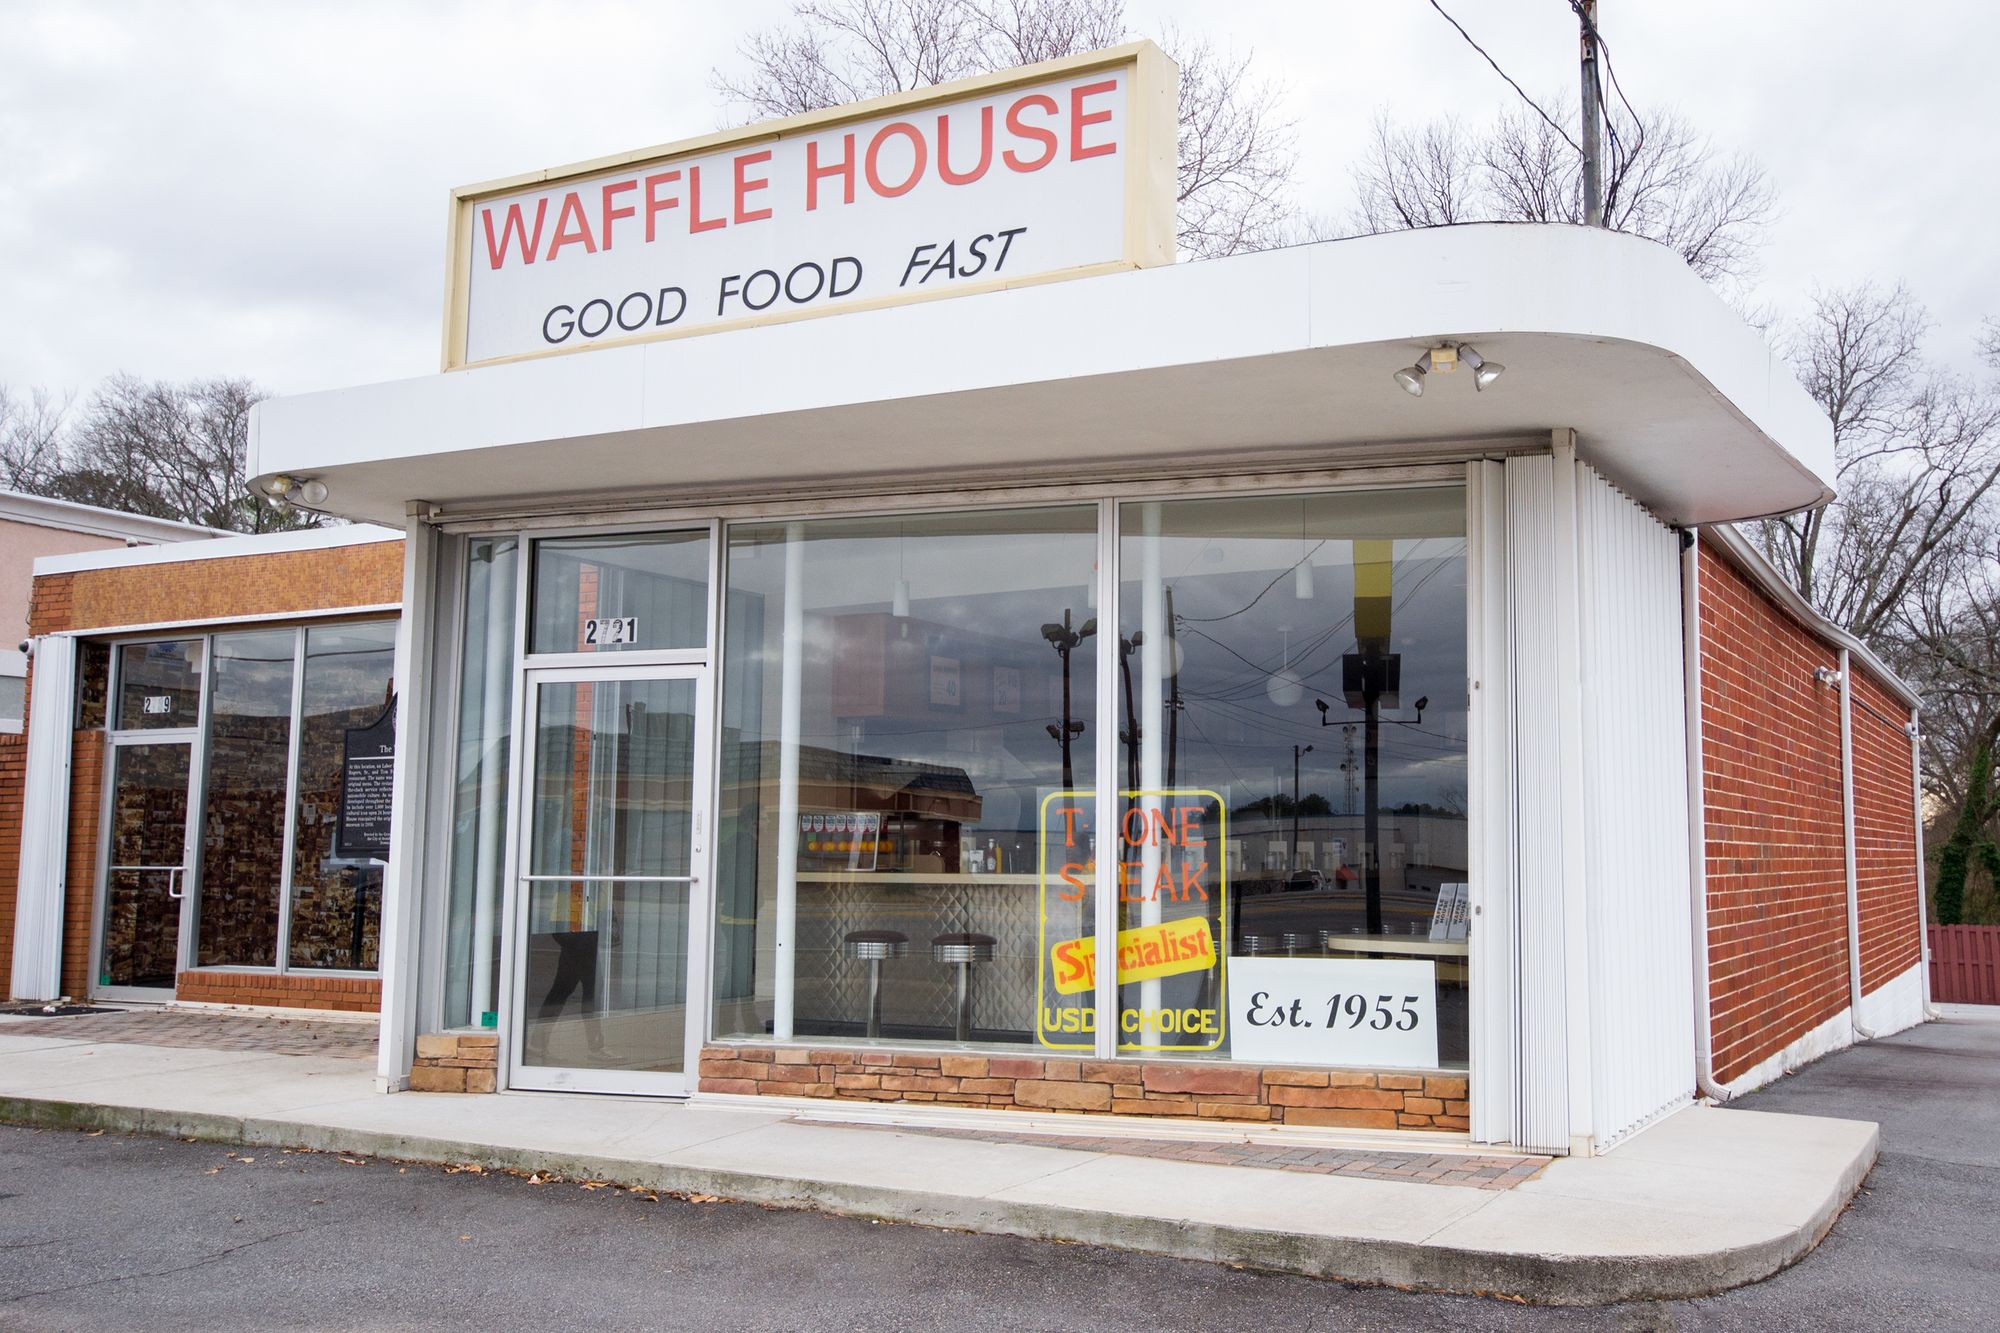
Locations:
column 44, row 512
column 1744, row 554
column 1570, row 296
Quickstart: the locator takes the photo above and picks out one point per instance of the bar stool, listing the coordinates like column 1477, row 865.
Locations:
column 872, row 947
column 1250, row 946
column 1292, row 943
column 963, row 949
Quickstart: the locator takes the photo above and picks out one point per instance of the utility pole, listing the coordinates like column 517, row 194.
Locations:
column 1593, row 119
column 1297, row 750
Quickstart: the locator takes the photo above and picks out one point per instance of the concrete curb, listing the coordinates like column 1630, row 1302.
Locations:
column 1567, row 1279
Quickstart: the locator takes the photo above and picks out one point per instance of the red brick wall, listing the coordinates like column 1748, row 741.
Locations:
column 13, row 767
column 292, row 990
column 1349, row 1098
column 1777, row 877
column 1885, row 835
column 86, row 799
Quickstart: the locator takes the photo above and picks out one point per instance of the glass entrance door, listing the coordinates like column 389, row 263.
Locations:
column 145, row 870
column 614, row 817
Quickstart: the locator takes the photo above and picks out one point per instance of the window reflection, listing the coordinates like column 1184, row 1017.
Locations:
column 900, row 698
column 1302, row 659
column 347, row 696
column 243, row 807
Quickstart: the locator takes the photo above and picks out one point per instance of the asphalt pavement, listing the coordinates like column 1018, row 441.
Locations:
column 120, row 1232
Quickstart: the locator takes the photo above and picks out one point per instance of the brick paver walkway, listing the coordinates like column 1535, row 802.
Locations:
column 1486, row 1172
column 209, row 1031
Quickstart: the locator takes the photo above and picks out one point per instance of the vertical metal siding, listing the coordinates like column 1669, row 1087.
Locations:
column 1542, row 1100
column 39, row 887
column 1640, row 947
column 1495, row 936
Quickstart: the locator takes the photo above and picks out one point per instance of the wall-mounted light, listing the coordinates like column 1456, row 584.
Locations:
column 1826, row 675
column 1443, row 359
column 306, row 491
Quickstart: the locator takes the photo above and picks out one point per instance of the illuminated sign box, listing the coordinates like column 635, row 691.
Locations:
column 1057, row 170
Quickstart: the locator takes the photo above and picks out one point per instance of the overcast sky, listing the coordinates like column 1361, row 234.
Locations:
column 258, row 189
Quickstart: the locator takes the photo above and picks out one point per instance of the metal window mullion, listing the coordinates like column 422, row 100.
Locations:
column 291, row 801
column 513, row 905
column 193, row 841
column 1105, row 780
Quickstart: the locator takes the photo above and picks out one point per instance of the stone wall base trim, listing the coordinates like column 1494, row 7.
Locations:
column 1243, row 1095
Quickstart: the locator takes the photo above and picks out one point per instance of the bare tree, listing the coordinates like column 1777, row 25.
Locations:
column 175, row 451
column 31, row 431
column 1236, row 149
column 1916, row 459
column 1664, row 181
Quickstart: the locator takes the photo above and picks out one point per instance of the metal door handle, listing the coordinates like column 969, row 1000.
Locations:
column 174, row 890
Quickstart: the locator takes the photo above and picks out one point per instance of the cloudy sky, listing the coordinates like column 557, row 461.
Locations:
column 259, row 189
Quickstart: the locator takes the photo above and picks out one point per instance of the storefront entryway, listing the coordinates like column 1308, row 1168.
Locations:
column 609, row 893
column 143, row 894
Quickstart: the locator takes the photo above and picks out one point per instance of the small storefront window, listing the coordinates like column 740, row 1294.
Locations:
column 159, row 684
column 903, row 699
column 340, row 833
column 620, row 594
column 247, row 763
column 1294, row 670
column 479, row 784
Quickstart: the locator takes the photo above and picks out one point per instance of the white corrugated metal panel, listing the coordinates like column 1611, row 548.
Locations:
column 1495, row 935
column 38, row 903
column 1635, row 828
column 1542, row 1101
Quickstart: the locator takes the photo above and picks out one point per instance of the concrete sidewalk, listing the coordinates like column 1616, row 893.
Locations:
column 1701, row 1202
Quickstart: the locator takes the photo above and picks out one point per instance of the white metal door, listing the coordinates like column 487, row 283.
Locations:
column 609, row 966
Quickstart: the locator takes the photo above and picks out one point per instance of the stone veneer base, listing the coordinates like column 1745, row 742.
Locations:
column 1343, row 1098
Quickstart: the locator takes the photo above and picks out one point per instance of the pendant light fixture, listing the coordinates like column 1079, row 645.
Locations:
column 899, row 601
column 1302, row 573
column 1284, row 687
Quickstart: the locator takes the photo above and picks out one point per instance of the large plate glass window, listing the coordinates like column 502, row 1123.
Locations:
column 340, row 840
column 905, row 702
column 248, row 770
column 479, row 783
column 1294, row 672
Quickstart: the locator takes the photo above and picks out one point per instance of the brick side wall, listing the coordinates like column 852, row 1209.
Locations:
column 1777, row 878
column 13, row 768
column 1348, row 1098
column 191, row 590
column 86, row 799
column 1885, row 835
column 1777, row 890
column 292, row 990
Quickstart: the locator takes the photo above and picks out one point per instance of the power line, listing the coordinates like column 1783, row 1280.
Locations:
column 1510, row 80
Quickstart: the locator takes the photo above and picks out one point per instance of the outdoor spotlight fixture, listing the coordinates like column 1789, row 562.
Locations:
column 1443, row 359
column 1412, row 377
column 286, row 490
column 1484, row 372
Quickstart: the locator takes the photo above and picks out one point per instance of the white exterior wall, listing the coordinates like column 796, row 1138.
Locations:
column 38, row 903
column 1640, row 950
column 1583, row 1002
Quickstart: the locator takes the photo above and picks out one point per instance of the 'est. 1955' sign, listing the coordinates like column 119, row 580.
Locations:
column 1366, row 1012
column 1062, row 169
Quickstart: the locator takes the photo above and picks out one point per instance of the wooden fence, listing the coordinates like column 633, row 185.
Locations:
column 1965, row 964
